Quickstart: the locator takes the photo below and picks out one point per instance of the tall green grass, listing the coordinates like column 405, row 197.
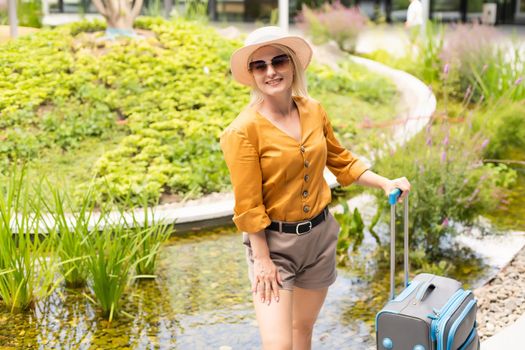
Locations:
column 149, row 236
column 27, row 265
column 124, row 250
column 70, row 232
column 110, row 265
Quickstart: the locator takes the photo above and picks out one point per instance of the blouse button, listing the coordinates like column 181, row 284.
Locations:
column 305, row 194
column 303, row 149
column 306, row 178
column 306, row 164
column 306, row 208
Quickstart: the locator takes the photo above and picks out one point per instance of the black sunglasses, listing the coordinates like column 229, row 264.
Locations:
column 278, row 63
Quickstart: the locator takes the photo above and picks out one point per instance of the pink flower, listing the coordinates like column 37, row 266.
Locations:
column 445, row 222
column 485, row 143
column 518, row 81
column 429, row 141
column 443, row 156
column 445, row 69
column 445, row 140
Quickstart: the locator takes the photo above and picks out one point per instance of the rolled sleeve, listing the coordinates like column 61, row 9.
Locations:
column 340, row 161
column 243, row 163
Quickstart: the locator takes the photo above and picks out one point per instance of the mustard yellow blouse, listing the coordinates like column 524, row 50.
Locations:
column 274, row 177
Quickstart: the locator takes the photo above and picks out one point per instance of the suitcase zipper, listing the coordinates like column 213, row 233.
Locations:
column 458, row 321
column 435, row 318
column 440, row 315
column 445, row 315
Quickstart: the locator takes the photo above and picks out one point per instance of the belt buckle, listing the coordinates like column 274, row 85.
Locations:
column 303, row 223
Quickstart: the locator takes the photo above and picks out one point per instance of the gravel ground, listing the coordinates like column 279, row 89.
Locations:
column 501, row 301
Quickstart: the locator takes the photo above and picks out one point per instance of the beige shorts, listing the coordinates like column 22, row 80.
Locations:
column 307, row 261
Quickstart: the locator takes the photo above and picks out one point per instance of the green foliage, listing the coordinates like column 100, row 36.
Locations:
column 169, row 93
column 351, row 234
column 483, row 62
column 149, row 235
column 95, row 25
column 154, row 9
column 110, row 265
column 27, row 271
column 70, row 233
column 29, row 13
column 504, row 126
column 449, row 181
column 350, row 79
column 196, row 10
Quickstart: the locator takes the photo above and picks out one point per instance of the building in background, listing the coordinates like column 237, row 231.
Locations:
column 508, row 11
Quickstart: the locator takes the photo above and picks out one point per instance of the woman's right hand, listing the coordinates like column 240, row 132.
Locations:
column 266, row 279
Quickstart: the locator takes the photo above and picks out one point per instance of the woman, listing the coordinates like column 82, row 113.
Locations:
column 276, row 151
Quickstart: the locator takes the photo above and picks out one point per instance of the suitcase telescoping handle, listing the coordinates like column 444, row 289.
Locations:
column 392, row 199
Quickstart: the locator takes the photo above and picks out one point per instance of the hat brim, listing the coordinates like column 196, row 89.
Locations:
column 239, row 59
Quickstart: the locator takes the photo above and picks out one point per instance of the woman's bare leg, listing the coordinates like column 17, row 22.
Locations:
column 275, row 321
column 306, row 306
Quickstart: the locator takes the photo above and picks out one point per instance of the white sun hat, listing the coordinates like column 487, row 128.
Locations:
column 262, row 37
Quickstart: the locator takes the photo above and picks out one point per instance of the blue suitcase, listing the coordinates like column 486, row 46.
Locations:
column 431, row 313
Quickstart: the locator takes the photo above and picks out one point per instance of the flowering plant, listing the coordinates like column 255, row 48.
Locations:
column 335, row 22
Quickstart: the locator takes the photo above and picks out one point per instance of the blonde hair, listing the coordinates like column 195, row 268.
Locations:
column 299, row 87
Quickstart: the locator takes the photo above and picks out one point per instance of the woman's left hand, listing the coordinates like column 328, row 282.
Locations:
column 401, row 183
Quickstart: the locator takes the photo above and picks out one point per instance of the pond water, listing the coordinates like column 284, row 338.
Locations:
column 200, row 300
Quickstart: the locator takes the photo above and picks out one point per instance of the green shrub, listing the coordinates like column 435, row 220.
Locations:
column 449, row 181
column 504, row 125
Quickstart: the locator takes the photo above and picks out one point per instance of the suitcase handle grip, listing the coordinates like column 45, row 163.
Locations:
column 393, row 196
column 424, row 290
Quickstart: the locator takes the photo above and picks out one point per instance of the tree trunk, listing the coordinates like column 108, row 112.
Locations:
column 119, row 14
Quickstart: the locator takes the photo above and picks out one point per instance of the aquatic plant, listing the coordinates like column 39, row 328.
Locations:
column 27, row 265
column 149, row 234
column 110, row 264
column 70, row 232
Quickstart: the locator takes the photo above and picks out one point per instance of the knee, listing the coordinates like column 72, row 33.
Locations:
column 304, row 327
column 277, row 343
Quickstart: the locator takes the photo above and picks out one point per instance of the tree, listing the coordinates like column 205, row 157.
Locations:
column 119, row 14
